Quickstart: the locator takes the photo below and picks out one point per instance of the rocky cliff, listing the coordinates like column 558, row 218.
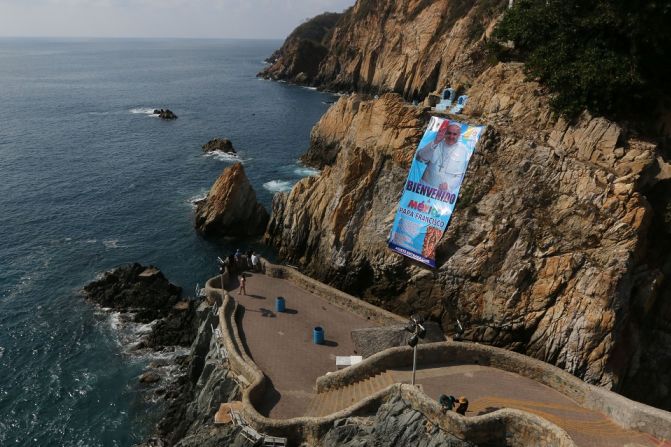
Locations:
column 299, row 58
column 230, row 208
column 552, row 250
column 411, row 47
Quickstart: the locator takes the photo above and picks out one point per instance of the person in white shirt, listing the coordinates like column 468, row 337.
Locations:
column 446, row 159
column 255, row 262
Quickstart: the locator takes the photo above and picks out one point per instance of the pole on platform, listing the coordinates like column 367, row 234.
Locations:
column 414, row 364
column 418, row 331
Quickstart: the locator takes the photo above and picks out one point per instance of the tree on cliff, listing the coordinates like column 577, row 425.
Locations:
column 609, row 56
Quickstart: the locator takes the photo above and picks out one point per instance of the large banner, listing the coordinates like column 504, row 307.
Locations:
column 432, row 188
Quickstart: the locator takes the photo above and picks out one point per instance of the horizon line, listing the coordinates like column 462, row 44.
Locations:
column 140, row 37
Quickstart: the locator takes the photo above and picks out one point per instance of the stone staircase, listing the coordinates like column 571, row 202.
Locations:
column 334, row 400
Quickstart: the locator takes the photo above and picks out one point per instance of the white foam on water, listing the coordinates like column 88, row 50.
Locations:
column 115, row 320
column 195, row 200
column 111, row 243
column 225, row 156
column 278, row 185
column 2, row 351
column 304, row 171
column 144, row 328
column 143, row 111
column 309, row 88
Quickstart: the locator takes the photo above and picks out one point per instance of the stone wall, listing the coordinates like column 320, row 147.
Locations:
column 627, row 413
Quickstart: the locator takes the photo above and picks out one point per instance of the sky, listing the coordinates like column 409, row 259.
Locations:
column 246, row 19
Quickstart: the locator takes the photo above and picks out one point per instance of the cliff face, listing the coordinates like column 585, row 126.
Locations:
column 548, row 251
column 411, row 47
column 299, row 58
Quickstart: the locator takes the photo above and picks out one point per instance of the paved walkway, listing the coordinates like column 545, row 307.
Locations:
column 281, row 345
column 489, row 389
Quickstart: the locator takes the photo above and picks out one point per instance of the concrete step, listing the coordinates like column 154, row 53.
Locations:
column 338, row 399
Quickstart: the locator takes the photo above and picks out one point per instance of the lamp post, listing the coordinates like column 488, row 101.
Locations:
column 418, row 332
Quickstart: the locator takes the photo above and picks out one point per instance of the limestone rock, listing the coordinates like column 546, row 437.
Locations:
column 219, row 144
column 230, row 208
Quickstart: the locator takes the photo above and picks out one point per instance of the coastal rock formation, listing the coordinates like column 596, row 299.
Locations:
column 143, row 295
column 219, row 144
column 548, row 251
column 299, row 58
column 230, row 208
column 166, row 114
column 143, row 289
column 193, row 396
column 411, row 47
column 395, row 424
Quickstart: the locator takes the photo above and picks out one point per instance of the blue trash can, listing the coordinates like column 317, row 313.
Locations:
column 280, row 304
column 318, row 335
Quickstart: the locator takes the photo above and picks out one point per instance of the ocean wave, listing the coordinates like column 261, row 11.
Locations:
column 309, row 88
column 225, row 156
column 142, row 111
column 278, row 185
column 195, row 200
column 111, row 243
column 304, row 171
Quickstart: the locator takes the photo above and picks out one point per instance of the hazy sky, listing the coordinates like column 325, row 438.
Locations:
column 160, row 18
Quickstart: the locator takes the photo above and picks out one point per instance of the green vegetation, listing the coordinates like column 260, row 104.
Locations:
column 316, row 29
column 612, row 57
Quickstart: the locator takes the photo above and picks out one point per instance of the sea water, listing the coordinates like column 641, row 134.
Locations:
column 90, row 180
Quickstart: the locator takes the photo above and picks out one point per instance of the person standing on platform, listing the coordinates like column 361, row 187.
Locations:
column 243, row 284
column 255, row 262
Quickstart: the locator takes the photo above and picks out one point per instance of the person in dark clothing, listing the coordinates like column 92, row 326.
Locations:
column 462, row 405
column 447, row 402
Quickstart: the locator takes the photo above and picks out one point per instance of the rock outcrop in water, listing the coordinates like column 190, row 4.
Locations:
column 199, row 381
column 165, row 114
column 230, row 208
column 219, row 144
column 553, row 248
column 146, row 296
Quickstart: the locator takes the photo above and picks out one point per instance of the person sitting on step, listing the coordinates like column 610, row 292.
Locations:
column 462, row 405
column 446, row 402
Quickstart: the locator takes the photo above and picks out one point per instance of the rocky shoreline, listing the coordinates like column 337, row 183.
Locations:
column 178, row 340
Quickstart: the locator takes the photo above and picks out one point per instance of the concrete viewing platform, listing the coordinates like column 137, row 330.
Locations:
column 303, row 382
column 280, row 343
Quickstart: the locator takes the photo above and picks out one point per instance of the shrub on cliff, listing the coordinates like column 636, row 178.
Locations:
column 609, row 56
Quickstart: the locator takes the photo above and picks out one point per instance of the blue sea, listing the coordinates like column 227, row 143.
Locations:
column 90, row 180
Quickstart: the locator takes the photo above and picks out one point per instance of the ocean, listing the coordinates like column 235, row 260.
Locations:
column 90, row 180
